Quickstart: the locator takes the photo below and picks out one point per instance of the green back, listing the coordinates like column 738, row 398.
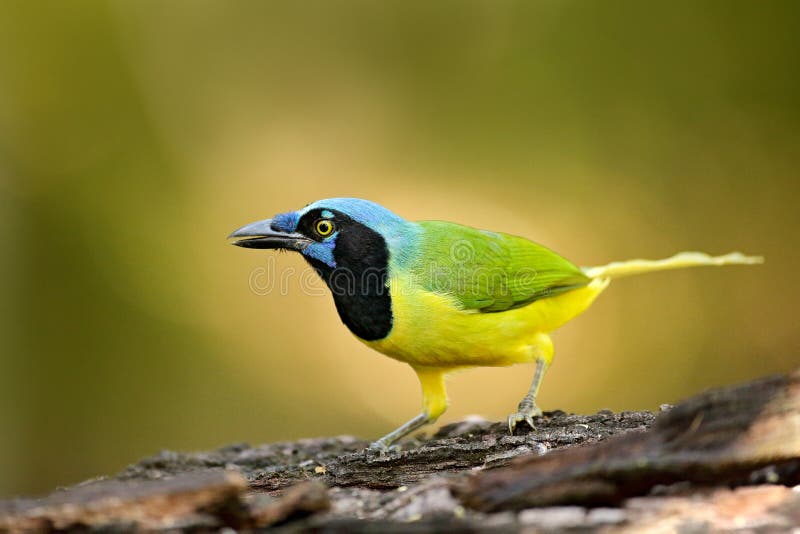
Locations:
column 488, row 271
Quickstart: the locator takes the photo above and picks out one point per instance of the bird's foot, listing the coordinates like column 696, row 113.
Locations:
column 527, row 416
column 380, row 448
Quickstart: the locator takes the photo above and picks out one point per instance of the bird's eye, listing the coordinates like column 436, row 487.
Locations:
column 324, row 227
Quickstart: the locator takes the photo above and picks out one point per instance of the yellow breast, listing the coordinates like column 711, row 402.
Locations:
column 431, row 330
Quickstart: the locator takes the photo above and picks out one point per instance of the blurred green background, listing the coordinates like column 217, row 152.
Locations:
column 135, row 135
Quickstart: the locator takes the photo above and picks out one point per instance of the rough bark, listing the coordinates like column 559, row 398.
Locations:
column 730, row 436
column 725, row 459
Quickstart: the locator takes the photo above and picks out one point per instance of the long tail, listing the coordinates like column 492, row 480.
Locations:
column 619, row 269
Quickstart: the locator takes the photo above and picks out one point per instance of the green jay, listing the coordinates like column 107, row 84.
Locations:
column 441, row 296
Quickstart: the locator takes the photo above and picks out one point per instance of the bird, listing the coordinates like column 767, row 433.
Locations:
column 442, row 296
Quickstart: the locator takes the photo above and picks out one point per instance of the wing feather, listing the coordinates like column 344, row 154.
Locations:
column 490, row 272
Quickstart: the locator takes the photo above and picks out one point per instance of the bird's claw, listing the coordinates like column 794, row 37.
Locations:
column 377, row 446
column 380, row 448
column 515, row 418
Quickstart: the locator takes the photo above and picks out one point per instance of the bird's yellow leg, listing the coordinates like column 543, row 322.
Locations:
column 434, row 404
column 527, row 409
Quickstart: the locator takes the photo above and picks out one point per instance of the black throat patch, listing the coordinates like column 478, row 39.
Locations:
column 359, row 280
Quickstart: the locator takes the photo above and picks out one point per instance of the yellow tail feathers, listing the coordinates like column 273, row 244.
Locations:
column 619, row 269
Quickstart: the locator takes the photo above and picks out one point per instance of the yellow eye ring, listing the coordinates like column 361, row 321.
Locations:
column 324, row 227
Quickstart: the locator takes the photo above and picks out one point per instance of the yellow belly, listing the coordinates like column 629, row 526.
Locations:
column 429, row 330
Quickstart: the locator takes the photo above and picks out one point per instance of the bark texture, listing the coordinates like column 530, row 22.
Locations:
column 726, row 459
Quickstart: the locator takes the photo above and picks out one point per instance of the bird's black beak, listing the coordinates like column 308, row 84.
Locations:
column 261, row 235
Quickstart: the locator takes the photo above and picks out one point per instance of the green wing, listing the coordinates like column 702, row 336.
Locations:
column 488, row 271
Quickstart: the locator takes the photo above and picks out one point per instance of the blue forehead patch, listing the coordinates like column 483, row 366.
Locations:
column 285, row 222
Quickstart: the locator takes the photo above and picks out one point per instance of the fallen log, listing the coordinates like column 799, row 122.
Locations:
column 730, row 436
column 724, row 460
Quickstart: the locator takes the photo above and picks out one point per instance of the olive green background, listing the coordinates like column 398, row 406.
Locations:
column 135, row 135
